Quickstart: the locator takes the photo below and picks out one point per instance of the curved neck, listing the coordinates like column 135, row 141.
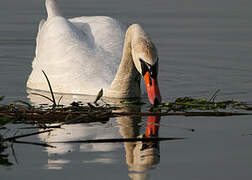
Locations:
column 126, row 83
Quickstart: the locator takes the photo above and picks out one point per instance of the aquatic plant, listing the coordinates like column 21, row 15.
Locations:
column 76, row 112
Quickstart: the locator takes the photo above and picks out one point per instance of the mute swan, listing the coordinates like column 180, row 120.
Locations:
column 82, row 55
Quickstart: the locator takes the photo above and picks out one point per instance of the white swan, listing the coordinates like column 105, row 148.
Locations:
column 82, row 55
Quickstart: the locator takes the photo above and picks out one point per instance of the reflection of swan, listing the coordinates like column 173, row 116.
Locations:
column 82, row 55
column 140, row 156
column 74, row 132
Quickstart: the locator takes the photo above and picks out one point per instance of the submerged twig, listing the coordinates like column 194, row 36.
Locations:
column 118, row 140
column 34, row 143
column 25, row 135
column 42, row 127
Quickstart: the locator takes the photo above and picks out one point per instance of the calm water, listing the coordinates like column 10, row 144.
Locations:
column 203, row 46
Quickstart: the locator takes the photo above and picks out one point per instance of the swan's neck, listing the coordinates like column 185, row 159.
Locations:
column 52, row 9
column 126, row 83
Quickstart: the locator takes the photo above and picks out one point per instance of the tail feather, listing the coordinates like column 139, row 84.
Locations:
column 52, row 9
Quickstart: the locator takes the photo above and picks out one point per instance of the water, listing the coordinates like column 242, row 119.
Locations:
column 203, row 46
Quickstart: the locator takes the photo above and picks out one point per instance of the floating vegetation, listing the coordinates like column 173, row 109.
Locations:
column 41, row 117
column 76, row 112
column 22, row 112
column 187, row 103
column 70, row 114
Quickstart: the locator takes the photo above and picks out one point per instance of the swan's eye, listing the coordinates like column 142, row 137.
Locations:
column 152, row 69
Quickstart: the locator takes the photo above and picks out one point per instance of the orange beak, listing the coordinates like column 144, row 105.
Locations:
column 152, row 89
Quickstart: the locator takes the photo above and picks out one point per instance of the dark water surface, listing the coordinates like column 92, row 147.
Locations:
column 203, row 46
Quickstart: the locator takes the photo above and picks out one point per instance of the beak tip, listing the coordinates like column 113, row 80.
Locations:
column 157, row 101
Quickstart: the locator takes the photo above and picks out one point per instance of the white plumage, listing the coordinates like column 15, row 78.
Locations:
column 84, row 54
column 80, row 55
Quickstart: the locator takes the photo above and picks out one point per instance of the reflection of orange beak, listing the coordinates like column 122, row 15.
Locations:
column 152, row 128
column 152, row 89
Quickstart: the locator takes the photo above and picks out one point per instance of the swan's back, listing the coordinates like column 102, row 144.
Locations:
column 79, row 55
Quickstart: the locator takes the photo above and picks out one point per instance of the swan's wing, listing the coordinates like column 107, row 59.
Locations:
column 107, row 36
column 79, row 55
column 62, row 51
column 106, row 32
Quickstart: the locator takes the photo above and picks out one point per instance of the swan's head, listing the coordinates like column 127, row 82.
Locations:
column 145, row 57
